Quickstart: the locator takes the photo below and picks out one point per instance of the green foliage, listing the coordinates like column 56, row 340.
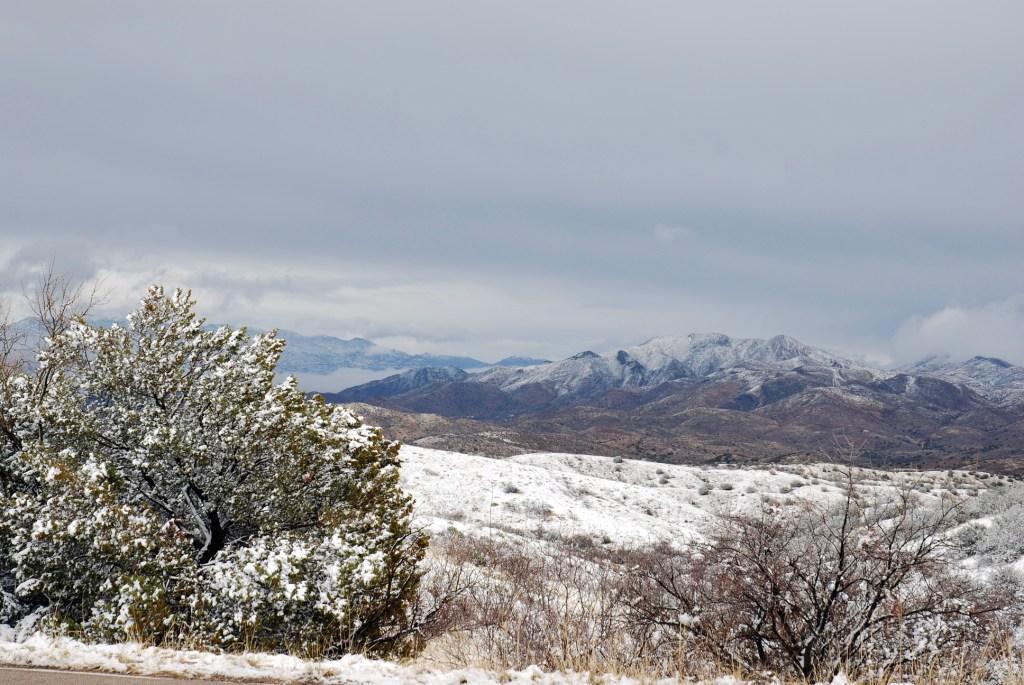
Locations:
column 172, row 490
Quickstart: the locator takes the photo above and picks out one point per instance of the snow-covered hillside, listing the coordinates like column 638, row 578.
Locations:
column 993, row 378
column 622, row 501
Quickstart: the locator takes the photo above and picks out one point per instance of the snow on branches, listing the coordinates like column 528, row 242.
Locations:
column 164, row 486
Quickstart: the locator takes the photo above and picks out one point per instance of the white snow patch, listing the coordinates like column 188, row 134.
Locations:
column 40, row 651
column 623, row 501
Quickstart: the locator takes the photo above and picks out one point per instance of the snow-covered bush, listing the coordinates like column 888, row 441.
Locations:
column 13, row 478
column 171, row 490
column 998, row 537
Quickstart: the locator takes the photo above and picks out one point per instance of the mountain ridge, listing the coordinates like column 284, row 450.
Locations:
column 710, row 395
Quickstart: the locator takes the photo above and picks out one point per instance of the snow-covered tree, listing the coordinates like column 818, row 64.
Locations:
column 14, row 481
column 178, row 491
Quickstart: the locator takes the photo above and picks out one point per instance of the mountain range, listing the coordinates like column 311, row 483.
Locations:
column 315, row 357
column 710, row 397
column 325, row 354
column 701, row 398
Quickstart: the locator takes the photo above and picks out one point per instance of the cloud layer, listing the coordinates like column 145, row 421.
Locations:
column 995, row 329
column 489, row 178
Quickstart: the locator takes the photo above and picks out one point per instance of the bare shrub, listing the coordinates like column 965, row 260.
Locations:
column 866, row 585
column 557, row 606
column 863, row 585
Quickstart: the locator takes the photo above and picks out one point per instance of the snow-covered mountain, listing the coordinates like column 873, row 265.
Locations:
column 996, row 379
column 646, row 366
column 665, row 359
column 710, row 396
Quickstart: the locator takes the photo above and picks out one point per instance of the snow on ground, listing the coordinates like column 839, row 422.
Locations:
column 620, row 501
column 613, row 501
column 135, row 659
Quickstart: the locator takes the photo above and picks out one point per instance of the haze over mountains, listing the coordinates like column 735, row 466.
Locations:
column 712, row 397
column 325, row 354
column 324, row 362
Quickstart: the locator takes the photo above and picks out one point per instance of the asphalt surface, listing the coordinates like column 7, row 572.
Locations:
column 38, row 676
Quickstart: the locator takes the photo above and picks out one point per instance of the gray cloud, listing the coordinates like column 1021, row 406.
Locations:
column 487, row 178
column 25, row 264
column 992, row 329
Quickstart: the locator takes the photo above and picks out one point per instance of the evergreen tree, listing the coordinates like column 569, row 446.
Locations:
column 178, row 491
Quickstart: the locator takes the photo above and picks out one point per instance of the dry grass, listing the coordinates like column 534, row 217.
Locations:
column 566, row 609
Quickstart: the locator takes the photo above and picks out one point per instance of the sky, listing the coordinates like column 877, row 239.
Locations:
column 533, row 178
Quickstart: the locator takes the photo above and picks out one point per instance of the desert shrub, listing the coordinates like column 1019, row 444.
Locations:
column 969, row 536
column 865, row 585
column 1001, row 540
column 168, row 489
column 557, row 606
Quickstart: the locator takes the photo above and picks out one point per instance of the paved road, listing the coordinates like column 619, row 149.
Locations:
column 33, row 676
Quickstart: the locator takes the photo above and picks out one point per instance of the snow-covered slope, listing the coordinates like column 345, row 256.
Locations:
column 618, row 501
column 995, row 379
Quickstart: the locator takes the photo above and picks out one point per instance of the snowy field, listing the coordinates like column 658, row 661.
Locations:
column 623, row 501
column 531, row 497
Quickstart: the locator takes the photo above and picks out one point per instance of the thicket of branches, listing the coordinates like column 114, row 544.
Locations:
column 868, row 585
column 156, row 484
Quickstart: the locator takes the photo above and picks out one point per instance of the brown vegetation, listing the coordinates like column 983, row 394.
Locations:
column 866, row 587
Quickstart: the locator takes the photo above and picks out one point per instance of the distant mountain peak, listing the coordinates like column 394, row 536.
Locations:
column 994, row 378
column 994, row 361
column 701, row 339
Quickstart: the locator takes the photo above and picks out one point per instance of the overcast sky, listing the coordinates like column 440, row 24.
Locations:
column 490, row 178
